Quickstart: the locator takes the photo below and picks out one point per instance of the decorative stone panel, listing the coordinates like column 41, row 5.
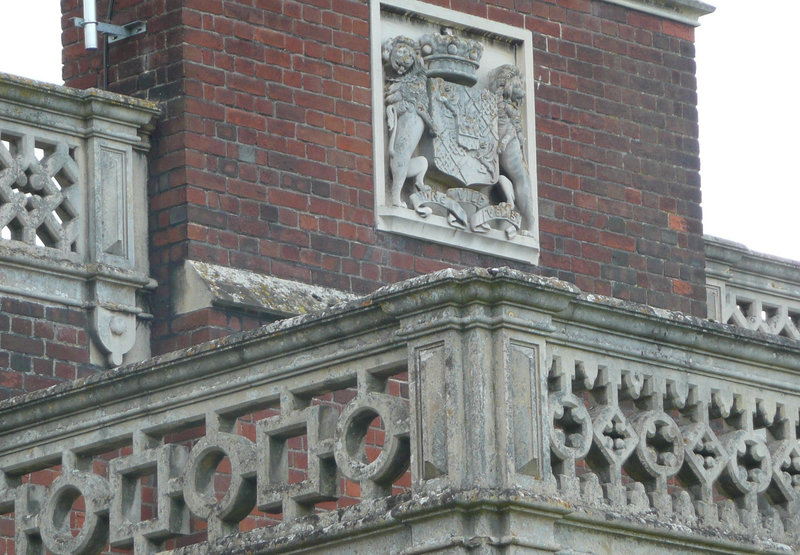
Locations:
column 454, row 141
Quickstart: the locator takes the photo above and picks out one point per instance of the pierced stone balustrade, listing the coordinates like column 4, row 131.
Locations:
column 73, row 175
column 457, row 410
column 751, row 290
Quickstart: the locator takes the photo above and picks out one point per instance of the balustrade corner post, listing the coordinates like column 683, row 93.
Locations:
column 523, row 411
column 438, row 425
column 478, row 399
column 116, row 184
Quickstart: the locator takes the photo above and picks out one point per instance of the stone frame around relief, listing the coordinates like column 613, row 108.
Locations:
column 503, row 44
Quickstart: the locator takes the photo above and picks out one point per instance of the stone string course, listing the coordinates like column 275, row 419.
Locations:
column 597, row 420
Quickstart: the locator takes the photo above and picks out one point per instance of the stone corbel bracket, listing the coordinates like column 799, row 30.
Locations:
column 114, row 313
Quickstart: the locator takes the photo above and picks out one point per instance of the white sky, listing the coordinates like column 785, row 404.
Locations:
column 748, row 81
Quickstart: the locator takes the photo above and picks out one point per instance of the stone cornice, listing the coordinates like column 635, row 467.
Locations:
column 53, row 105
column 683, row 11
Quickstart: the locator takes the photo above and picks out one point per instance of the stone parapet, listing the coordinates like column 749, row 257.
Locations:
column 752, row 290
column 73, row 187
column 483, row 408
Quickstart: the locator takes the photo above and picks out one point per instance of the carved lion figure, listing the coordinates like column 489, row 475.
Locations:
column 506, row 82
column 406, row 101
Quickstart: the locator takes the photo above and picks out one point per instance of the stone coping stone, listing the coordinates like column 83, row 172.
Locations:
column 683, row 11
column 233, row 287
column 452, row 286
column 740, row 257
column 12, row 85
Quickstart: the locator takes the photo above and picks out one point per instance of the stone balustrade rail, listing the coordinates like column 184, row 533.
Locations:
column 557, row 415
column 752, row 290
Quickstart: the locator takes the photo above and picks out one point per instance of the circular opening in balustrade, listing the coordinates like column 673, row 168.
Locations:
column 365, row 436
column 70, row 512
column 213, row 476
column 372, row 439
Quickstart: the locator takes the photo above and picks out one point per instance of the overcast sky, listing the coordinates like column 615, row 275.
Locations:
column 748, row 83
column 749, row 87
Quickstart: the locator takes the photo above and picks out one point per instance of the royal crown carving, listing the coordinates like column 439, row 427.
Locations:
column 452, row 58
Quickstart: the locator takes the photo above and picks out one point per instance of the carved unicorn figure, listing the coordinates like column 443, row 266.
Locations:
column 406, row 101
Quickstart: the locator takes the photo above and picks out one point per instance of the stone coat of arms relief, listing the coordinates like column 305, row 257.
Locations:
column 455, row 147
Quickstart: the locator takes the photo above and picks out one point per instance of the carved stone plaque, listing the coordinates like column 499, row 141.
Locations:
column 453, row 106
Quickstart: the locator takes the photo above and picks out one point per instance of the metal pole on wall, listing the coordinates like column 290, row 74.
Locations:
column 90, row 24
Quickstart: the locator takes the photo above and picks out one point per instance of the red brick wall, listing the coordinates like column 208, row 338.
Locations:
column 41, row 345
column 263, row 158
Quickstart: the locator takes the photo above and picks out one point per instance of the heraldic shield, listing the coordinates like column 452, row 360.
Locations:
column 465, row 147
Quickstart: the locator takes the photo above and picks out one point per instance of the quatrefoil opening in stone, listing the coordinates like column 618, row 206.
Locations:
column 704, row 455
column 614, row 437
column 570, row 427
column 749, row 467
column 659, row 450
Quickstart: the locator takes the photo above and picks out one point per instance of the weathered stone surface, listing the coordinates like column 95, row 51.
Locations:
column 537, row 417
column 201, row 285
